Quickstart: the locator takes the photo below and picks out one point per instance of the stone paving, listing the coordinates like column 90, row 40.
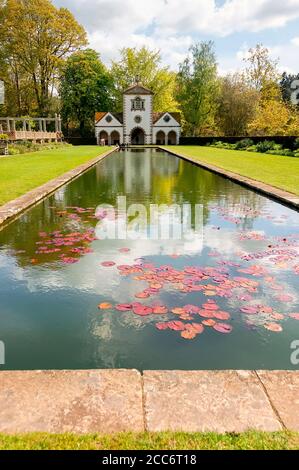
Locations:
column 15, row 207
column 283, row 196
column 109, row 401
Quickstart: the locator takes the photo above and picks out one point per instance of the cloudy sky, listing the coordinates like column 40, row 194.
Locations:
column 172, row 25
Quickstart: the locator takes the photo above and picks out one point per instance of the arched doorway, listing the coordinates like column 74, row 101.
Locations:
column 103, row 135
column 115, row 138
column 137, row 136
column 172, row 138
column 160, row 138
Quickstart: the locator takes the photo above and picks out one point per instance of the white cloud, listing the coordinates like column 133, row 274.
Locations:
column 172, row 25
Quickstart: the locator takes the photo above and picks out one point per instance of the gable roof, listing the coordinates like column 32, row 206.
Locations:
column 137, row 90
column 176, row 116
column 99, row 116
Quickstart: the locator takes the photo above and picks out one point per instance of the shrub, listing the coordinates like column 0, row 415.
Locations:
column 284, row 152
column 252, row 148
column 296, row 144
column 3, row 137
column 266, row 145
column 243, row 144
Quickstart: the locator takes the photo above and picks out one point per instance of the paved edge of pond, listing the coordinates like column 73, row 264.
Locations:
column 109, row 401
column 16, row 207
column 285, row 197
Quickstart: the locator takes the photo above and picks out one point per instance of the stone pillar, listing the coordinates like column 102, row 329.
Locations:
column 166, row 138
column 14, row 125
column 40, row 125
column 109, row 139
column 8, row 124
column 24, row 125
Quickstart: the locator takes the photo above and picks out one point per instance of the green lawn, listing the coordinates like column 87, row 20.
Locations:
column 152, row 441
column 21, row 173
column 279, row 171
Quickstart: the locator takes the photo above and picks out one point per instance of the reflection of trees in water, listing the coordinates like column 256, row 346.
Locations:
column 145, row 178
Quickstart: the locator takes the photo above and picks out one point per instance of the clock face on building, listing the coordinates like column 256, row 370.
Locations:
column 108, row 118
column 138, row 119
column 166, row 118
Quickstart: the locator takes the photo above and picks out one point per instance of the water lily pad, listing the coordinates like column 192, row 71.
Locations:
column 160, row 310
column 108, row 264
column 124, row 307
column 188, row 334
column 105, row 306
column 273, row 327
column 223, row 328
column 209, row 322
column 142, row 311
column 295, row 316
column 222, row 315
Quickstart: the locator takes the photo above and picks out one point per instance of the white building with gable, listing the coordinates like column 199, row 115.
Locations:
column 138, row 124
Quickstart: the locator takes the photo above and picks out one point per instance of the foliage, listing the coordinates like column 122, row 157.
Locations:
column 35, row 38
column 237, row 103
column 198, row 88
column 3, row 137
column 243, row 144
column 26, row 147
column 265, row 145
column 144, row 65
column 274, row 117
column 86, row 87
column 261, row 69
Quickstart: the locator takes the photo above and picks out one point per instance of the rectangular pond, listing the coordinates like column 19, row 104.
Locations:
column 223, row 295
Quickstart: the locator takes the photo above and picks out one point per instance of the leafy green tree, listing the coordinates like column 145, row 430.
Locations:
column 35, row 38
column 144, row 65
column 198, row 89
column 86, row 87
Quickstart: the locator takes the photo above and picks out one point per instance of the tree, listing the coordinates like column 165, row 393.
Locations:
column 35, row 39
column 198, row 88
column 145, row 65
column 274, row 117
column 237, row 104
column 86, row 87
column 261, row 69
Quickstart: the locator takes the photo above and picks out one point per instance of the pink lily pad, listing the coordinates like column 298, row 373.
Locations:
column 108, row 264
column 223, row 328
column 124, row 307
column 295, row 316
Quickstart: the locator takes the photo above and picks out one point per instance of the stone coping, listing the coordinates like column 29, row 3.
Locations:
column 109, row 401
column 14, row 208
column 285, row 197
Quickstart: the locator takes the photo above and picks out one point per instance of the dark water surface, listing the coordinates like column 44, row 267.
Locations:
column 52, row 280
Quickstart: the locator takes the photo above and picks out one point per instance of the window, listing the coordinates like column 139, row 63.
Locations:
column 138, row 119
column 166, row 118
column 108, row 118
column 137, row 104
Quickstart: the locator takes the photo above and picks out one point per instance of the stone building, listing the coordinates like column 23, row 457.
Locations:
column 138, row 124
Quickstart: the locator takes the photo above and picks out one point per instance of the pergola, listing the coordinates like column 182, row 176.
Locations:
column 8, row 125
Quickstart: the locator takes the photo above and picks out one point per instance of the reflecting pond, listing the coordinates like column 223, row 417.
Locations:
column 223, row 295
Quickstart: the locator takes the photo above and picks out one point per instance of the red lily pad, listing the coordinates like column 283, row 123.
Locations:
column 209, row 322
column 124, row 307
column 273, row 327
column 108, row 264
column 160, row 310
column 222, row 315
column 249, row 310
column 223, row 328
column 142, row 311
column 295, row 316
